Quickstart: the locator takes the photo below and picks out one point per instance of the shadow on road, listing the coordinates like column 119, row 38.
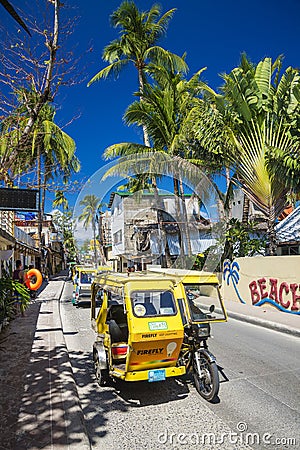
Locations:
column 97, row 402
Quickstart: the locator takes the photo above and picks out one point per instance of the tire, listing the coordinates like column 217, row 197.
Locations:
column 208, row 384
column 102, row 375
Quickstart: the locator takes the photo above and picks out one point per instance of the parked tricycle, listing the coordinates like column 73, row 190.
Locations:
column 82, row 282
column 155, row 325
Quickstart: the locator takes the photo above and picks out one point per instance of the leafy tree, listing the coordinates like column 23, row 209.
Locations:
column 38, row 67
column 242, row 240
column 65, row 226
column 8, row 290
column 60, row 200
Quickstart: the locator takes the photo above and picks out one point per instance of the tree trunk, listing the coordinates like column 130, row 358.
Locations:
column 101, row 244
column 166, row 258
column 94, row 237
column 40, row 213
column 141, row 86
column 272, row 232
column 246, row 209
column 185, row 218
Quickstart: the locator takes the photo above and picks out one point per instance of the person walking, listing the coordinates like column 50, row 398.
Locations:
column 18, row 275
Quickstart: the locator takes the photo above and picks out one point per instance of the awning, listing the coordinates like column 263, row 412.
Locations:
column 5, row 254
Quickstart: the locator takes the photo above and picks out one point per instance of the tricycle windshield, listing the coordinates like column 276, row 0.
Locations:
column 153, row 303
column 86, row 277
column 204, row 302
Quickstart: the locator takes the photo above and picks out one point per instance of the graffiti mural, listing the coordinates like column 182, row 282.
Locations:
column 280, row 294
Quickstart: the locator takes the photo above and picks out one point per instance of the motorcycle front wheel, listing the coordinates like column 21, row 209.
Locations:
column 207, row 383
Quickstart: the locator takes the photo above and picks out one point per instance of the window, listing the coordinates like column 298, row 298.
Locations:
column 117, row 237
column 153, row 303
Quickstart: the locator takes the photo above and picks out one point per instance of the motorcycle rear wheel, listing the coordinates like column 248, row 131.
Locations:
column 208, row 384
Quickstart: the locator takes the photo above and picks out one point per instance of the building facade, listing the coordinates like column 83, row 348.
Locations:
column 145, row 229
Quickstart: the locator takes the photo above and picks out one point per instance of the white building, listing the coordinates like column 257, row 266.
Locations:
column 143, row 231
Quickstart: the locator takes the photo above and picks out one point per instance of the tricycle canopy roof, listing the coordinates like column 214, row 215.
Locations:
column 187, row 276
column 173, row 275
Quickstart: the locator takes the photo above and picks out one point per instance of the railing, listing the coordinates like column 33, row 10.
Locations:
column 23, row 237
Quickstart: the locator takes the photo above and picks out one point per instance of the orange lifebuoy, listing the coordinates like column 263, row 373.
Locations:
column 39, row 279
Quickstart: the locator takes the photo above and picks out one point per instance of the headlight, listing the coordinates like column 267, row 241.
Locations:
column 203, row 329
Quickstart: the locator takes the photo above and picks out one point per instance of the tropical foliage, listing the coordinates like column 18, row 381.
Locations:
column 242, row 240
column 91, row 215
column 139, row 34
column 257, row 119
column 8, row 291
column 65, row 226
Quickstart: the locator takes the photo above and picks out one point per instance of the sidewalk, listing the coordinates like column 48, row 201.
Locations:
column 39, row 405
column 264, row 316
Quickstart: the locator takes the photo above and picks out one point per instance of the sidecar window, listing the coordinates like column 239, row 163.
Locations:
column 153, row 303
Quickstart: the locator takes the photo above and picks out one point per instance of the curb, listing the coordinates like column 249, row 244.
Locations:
column 264, row 323
column 80, row 422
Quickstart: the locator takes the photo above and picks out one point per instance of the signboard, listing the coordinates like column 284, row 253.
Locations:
column 19, row 199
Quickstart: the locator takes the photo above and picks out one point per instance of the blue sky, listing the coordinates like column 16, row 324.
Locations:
column 214, row 34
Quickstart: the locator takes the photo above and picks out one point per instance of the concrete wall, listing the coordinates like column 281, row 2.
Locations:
column 270, row 281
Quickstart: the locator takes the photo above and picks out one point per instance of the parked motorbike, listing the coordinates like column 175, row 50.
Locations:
column 152, row 326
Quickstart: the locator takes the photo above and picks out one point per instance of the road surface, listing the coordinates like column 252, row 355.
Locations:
column 259, row 394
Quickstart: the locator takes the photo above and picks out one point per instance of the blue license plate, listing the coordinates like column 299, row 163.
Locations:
column 156, row 375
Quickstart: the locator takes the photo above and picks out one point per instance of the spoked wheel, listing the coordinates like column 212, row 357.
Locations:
column 102, row 375
column 207, row 383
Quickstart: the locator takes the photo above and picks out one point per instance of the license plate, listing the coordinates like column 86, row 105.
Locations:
column 156, row 375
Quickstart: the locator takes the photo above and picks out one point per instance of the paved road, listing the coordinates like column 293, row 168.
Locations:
column 260, row 388
column 260, row 392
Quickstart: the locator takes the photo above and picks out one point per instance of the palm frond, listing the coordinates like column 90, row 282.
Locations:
column 113, row 69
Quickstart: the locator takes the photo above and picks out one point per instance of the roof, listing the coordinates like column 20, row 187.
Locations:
column 288, row 230
column 161, row 193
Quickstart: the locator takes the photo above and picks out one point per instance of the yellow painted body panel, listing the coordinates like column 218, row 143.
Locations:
column 154, row 341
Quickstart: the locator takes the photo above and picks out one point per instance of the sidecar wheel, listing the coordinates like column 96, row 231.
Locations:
column 208, row 384
column 102, row 375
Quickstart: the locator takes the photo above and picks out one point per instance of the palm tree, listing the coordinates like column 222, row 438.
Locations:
column 140, row 31
column 253, row 124
column 164, row 111
column 92, row 206
column 60, row 200
column 48, row 147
